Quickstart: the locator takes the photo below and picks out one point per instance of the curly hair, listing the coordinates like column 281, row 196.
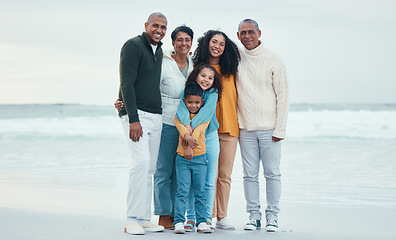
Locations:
column 229, row 60
column 216, row 86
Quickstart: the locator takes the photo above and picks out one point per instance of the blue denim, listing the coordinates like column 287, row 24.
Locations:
column 165, row 183
column 191, row 177
column 212, row 154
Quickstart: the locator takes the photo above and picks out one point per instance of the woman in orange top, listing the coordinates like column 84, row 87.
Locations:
column 217, row 50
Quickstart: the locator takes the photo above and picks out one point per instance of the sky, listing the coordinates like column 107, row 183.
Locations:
column 339, row 51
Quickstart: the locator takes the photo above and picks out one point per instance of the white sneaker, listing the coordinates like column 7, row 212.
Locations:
column 252, row 225
column 151, row 227
column 203, row 228
column 225, row 224
column 179, row 228
column 134, row 228
column 272, row 226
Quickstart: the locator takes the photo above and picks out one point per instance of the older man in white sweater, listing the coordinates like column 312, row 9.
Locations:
column 262, row 115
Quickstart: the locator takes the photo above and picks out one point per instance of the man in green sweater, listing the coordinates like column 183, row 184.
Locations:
column 140, row 73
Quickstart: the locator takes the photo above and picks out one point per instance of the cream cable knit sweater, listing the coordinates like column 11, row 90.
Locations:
column 262, row 87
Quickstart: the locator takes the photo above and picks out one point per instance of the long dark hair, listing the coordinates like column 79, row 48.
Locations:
column 229, row 60
column 216, row 86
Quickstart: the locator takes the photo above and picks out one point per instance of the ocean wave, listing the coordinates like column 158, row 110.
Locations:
column 342, row 124
column 56, row 127
column 302, row 124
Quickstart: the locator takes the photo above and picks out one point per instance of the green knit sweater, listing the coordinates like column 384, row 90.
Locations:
column 140, row 74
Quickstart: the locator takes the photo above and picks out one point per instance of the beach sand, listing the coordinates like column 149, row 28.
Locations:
column 91, row 206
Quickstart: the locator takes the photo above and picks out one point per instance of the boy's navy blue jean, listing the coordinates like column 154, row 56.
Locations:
column 190, row 175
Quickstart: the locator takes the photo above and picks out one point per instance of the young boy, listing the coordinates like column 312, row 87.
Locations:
column 191, row 163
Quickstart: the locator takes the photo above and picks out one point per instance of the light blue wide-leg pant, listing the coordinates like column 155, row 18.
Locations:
column 212, row 155
column 257, row 146
column 165, row 182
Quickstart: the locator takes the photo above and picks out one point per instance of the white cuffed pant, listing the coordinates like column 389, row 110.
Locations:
column 143, row 164
column 256, row 147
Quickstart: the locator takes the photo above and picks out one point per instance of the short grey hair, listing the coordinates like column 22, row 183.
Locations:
column 250, row 21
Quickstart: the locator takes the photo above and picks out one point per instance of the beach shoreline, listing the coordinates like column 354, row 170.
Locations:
column 91, row 206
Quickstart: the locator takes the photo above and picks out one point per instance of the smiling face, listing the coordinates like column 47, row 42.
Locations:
column 155, row 28
column 217, row 45
column 205, row 78
column 182, row 43
column 249, row 35
column 193, row 103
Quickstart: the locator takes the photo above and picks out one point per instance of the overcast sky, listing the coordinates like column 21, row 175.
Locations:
column 336, row 51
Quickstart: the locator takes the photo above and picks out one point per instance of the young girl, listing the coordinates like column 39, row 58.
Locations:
column 216, row 49
column 212, row 90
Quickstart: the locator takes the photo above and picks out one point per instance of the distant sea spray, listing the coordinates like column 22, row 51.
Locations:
column 363, row 121
column 361, row 124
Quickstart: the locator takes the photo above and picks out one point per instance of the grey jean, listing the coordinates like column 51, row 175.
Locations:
column 256, row 147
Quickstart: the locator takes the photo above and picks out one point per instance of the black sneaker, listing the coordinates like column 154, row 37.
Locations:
column 252, row 224
column 272, row 226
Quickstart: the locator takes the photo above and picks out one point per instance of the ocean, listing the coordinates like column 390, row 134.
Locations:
column 347, row 148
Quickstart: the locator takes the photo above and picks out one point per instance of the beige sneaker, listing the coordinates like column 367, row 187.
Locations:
column 134, row 228
column 151, row 227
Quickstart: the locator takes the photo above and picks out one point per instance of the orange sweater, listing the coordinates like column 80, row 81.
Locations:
column 198, row 135
column 226, row 111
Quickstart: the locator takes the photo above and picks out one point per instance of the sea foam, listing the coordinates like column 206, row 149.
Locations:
column 302, row 124
column 342, row 124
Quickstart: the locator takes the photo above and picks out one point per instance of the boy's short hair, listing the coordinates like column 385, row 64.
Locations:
column 193, row 88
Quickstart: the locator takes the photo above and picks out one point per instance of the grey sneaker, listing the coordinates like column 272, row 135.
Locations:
column 252, row 225
column 272, row 226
